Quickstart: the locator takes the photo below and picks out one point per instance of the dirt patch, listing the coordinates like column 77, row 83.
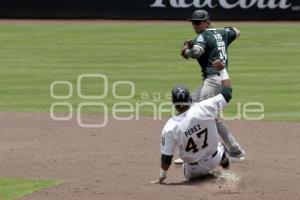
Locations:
column 119, row 161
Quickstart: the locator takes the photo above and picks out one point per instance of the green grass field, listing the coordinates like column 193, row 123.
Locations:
column 16, row 188
column 263, row 63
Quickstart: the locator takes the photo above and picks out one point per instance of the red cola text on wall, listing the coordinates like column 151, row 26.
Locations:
column 226, row 4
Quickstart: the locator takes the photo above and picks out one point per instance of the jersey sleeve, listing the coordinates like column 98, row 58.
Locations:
column 230, row 34
column 168, row 143
column 201, row 41
column 211, row 107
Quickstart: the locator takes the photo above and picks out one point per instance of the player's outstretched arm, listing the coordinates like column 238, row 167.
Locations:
column 232, row 33
column 226, row 93
column 166, row 161
column 167, row 148
column 237, row 32
column 191, row 50
column 211, row 107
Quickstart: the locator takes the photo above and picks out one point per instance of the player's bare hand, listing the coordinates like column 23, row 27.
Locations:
column 226, row 83
column 159, row 181
column 218, row 64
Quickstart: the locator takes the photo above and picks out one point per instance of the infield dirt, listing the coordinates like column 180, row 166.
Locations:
column 119, row 160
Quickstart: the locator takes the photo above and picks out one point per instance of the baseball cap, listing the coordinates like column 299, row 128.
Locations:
column 200, row 15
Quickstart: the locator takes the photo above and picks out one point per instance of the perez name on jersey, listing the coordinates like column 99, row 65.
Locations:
column 192, row 130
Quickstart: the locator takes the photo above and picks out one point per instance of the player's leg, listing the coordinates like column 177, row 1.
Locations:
column 196, row 96
column 235, row 151
column 192, row 172
column 216, row 160
column 205, row 167
column 211, row 87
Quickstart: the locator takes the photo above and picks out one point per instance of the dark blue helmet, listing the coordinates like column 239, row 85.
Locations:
column 200, row 15
column 181, row 95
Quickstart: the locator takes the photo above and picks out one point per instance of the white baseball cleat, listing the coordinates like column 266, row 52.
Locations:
column 178, row 162
column 235, row 159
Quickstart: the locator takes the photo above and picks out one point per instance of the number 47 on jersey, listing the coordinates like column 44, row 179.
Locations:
column 191, row 145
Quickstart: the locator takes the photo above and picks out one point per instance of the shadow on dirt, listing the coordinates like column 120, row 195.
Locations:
column 209, row 178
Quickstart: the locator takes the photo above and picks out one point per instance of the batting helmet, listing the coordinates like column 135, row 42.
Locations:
column 181, row 95
column 200, row 15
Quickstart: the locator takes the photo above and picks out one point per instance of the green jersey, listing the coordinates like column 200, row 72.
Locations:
column 215, row 43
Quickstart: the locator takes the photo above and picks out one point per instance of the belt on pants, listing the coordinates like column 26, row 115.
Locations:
column 213, row 155
column 211, row 75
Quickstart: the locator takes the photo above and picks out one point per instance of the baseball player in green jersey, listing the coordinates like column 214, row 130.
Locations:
column 209, row 48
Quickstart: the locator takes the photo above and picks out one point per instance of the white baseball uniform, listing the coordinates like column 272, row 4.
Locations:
column 195, row 134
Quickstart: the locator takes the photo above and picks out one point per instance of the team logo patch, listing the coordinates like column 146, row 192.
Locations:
column 200, row 38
